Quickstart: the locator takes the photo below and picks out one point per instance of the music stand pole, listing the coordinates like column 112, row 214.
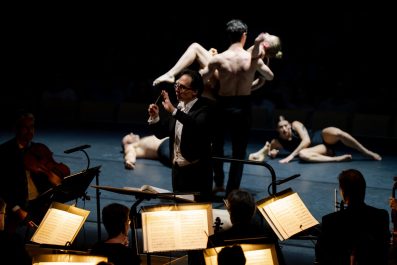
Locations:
column 133, row 226
column 98, row 207
column 98, row 194
column 98, row 200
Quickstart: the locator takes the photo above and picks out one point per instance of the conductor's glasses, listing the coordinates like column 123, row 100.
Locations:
column 181, row 87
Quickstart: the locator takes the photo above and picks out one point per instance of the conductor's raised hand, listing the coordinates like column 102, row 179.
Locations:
column 167, row 103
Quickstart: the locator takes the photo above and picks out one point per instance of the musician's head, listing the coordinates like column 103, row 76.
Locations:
column 352, row 186
column 231, row 255
column 24, row 127
column 241, row 206
column 115, row 218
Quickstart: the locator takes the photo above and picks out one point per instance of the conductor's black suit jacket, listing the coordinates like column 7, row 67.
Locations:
column 195, row 144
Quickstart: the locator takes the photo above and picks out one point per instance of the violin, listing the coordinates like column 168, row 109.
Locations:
column 39, row 160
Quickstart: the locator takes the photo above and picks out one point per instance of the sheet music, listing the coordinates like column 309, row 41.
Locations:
column 175, row 230
column 58, row 227
column 260, row 256
column 290, row 215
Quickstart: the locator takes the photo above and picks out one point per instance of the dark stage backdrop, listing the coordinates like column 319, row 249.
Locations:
column 332, row 53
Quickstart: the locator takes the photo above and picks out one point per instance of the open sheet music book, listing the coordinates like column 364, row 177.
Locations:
column 60, row 225
column 286, row 214
column 176, row 227
column 255, row 254
column 152, row 189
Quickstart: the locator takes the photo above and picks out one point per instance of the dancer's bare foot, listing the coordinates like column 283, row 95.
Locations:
column 260, row 156
column 129, row 165
column 168, row 78
column 374, row 156
column 129, row 157
column 129, row 150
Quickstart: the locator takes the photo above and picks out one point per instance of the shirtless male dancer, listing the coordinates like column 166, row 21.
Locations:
column 235, row 69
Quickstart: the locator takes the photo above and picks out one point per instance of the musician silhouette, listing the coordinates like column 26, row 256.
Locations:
column 245, row 226
column 231, row 255
column 359, row 233
column 28, row 170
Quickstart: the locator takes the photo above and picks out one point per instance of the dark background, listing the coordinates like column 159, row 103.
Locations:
column 335, row 56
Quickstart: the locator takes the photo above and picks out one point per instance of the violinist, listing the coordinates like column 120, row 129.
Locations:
column 28, row 169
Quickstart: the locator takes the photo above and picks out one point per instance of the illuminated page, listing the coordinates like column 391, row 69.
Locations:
column 259, row 257
column 175, row 230
column 254, row 255
column 58, row 228
column 268, row 220
column 290, row 215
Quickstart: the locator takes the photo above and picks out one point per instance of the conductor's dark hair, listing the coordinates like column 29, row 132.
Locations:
column 197, row 81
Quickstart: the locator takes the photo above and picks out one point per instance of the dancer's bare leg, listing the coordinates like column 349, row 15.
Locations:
column 129, row 142
column 195, row 52
column 319, row 153
column 261, row 154
column 331, row 135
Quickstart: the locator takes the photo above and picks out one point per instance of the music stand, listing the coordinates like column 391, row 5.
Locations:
column 74, row 186
column 140, row 196
column 98, row 208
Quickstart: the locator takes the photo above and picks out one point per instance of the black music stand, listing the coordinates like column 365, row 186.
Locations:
column 74, row 187
column 98, row 194
column 140, row 197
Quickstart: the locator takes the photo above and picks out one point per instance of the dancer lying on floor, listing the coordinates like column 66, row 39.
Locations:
column 148, row 147
column 294, row 138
